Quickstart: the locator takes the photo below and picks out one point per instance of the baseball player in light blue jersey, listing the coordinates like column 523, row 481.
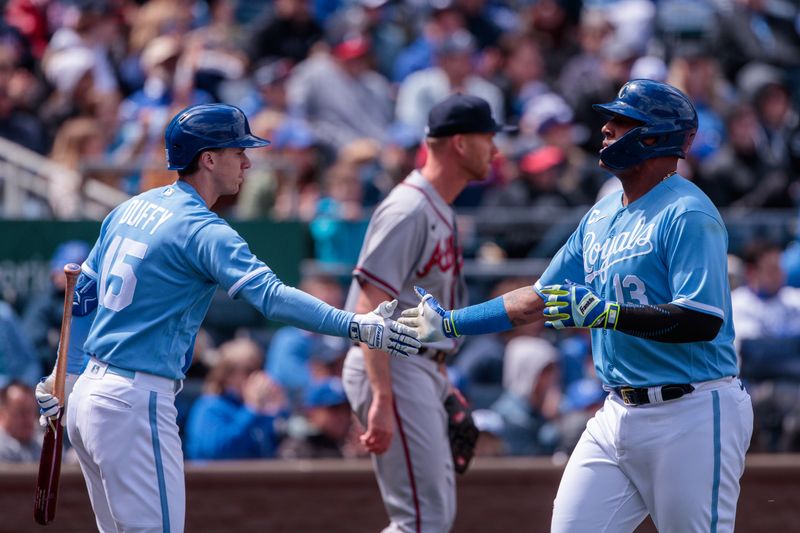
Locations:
column 143, row 292
column 647, row 271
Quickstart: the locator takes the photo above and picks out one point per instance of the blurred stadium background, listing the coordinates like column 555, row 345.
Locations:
column 342, row 88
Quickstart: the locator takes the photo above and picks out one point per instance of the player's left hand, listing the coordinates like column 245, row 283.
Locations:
column 576, row 306
column 379, row 332
column 429, row 319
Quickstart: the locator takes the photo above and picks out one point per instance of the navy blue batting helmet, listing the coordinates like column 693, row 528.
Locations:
column 667, row 117
column 205, row 126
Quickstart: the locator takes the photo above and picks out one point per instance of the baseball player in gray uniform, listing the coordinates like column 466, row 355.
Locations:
column 412, row 240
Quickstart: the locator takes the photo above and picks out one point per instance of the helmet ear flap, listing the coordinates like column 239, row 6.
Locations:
column 689, row 140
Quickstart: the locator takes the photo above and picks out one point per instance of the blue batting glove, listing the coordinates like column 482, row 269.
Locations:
column 577, row 306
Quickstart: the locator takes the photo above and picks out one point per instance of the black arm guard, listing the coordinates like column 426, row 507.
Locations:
column 667, row 323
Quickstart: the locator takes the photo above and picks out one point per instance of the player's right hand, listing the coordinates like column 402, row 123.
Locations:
column 430, row 321
column 380, row 427
column 48, row 404
column 379, row 332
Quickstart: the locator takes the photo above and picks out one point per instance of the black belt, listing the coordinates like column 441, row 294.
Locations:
column 640, row 396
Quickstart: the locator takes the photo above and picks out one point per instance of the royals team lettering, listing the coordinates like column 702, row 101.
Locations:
column 140, row 214
column 626, row 245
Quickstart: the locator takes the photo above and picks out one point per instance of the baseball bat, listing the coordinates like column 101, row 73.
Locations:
column 44, row 505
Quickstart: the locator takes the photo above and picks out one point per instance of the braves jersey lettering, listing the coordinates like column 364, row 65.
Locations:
column 444, row 255
column 626, row 245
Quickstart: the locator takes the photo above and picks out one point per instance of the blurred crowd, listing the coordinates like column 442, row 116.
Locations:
column 342, row 88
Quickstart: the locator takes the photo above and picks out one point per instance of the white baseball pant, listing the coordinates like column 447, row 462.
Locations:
column 679, row 461
column 125, row 434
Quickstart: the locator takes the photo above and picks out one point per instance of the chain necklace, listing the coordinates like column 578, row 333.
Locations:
column 669, row 174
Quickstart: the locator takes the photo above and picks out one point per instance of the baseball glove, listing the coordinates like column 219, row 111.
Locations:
column 461, row 430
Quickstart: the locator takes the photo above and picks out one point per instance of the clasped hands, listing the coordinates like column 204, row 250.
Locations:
column 568, row 305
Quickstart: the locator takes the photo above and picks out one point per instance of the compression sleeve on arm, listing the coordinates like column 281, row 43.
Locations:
column 667, row 323
column 486, row 317
column 84, row 309
column 294, row 307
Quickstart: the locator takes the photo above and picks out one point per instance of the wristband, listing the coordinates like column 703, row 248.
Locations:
column 486, row 317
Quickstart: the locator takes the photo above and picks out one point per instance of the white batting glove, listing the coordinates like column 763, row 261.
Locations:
column 427, row 319
column 378, row 331
column 48, row 404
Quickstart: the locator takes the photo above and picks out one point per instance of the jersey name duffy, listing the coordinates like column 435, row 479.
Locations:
column 598, row 257
column 140, row 213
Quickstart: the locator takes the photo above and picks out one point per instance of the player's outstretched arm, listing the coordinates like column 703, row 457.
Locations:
column 433, row 323
column 576, row 306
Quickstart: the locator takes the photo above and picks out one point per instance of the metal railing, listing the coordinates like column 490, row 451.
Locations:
column 33, row 186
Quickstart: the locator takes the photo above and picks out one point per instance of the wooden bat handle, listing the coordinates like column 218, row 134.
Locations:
column 71, row 271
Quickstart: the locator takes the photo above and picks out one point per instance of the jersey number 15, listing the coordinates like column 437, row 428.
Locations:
column 117, row 278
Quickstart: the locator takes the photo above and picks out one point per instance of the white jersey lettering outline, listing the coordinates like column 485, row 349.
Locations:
column 610, row 250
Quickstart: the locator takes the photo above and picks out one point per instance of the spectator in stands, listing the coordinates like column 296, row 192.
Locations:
column 755, row 306
column 296, row 159
column 235, row 418
column 16, row 124
column 216, row 51
column 396, row 160
column 695, row 70
column 288, row 30
column 548, row 120
column 340, row 223
column 91, row 26
column 153, row 19
column 323, row 430
column 454, row 72
column 20, row 440
column 79, row 144
column 751, row 30
column 522, row 76
column 169, row 84
column 257, row 197
column 480, row 361
column 442, row 21
column 379, row 21
column 70, row 73
column 269, row 86
column 291, row 348
column 593, row 82
column 741, row 173
column 779, row 118
column 41, row 319
column 340, row 95
column 531, row 397
column 18, row 361
column 594, row 33
column 480, row 21
column 539, row 188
